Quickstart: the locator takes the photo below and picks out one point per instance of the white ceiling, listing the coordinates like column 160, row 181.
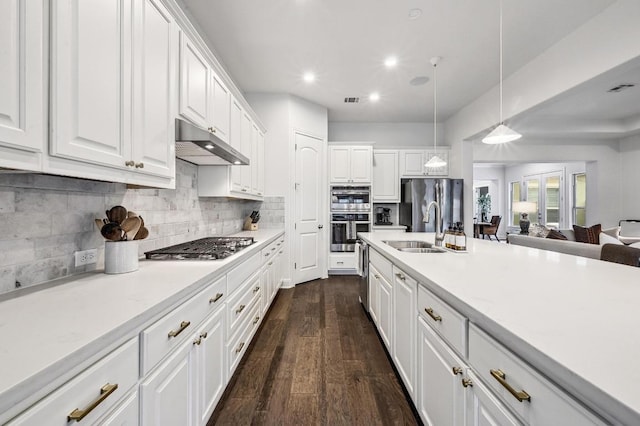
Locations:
column 267, row 45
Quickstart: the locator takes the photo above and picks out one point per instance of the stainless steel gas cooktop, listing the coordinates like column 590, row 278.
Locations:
column 210, row 248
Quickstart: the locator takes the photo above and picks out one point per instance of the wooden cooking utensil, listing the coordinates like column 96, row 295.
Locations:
column 142, row 234
column 99, row 224
column 117, row 214
column 131, row 214
column 112, row 231
column 130, row 226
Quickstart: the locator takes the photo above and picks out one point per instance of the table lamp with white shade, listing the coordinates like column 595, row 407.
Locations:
column 524, row 207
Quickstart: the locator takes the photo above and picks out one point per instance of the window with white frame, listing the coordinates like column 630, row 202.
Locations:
column 514, row 196
column 579, row 201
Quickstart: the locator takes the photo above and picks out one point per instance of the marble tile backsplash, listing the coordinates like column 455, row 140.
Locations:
column 45, row 219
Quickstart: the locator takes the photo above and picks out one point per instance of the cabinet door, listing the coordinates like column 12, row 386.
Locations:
column 339, row 164
column 91, row 81
column 195, row 84
column 246, row 134
column 127, row 413
column 254, row 159
column 23, row 136
column 374, row 293
column 404, row 326
column 261, row 164
column 210, row 365
column 168, row 392
column 482, row 408
column 439, row 388
column 265, row 284
column 221, row 108
column 412, row 163
column 386, row 177
column 385, row 314
column 360, row 164
column 235, row 140
column 155, row 61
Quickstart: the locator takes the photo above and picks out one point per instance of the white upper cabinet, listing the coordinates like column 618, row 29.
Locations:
column 254, row 158
column 221, row 101
column 260, row 164
column 113, row 90
column 245, row 148
column 155, row 59
column 350, row 164
column 386, row 176
column 23, row 112
column 195, row 84
column 91, row 81
column 235, row 140
column 412, row 162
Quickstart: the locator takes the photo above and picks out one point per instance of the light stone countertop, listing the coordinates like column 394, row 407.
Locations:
column 48, row 336
column 572, row 318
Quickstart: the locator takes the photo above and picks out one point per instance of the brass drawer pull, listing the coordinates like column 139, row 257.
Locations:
column 456, row 370
column 79, row 414
column 377, row 276
column 204, row 334
column 240, row 346
column 257, row 289
column 256, row 319
column 197, row 341
column 273, row 248
column 270, row 263
column 266, row 254
column 433, row 316
column 215, row 299
column 501, row 378
column 240, row 309
column 401, row 276
column 467, row 382
column 183, row 325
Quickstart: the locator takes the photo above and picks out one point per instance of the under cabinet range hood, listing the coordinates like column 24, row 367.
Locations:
column 200, row 146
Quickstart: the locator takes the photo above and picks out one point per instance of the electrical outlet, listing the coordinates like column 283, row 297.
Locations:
column 86, row 257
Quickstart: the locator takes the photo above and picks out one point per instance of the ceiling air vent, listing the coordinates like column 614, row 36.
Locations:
column 621, row 87
column 351, row 100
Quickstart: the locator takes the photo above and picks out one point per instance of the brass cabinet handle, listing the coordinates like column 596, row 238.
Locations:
column 401, row 276
column 377, row 276
column 257, row 289
column 105, row 391
column 273, row 248
column 502, row 379
column 204, row 334
column 244, row 190
column 197, row 341
column 240, row 346
column 433, row 316
column 467, row 383
column 270, row 263
column 256, row 319
column 130, row 163
column 140, row 165
column 240, row 309
column 183, row 325
column 215, row 299
column 277, row 244
column 267, row 254
column 456, row 370
column 280, row 252
column 212, row 129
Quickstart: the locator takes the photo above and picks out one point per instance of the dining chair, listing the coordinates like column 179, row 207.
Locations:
column 493, row 228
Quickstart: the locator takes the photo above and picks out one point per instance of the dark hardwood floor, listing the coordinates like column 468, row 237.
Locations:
column 316, row 360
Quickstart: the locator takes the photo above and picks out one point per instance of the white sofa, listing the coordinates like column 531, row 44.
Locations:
column 569, row 246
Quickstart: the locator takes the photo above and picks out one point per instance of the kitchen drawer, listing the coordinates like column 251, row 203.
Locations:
column 239, row 304
column 237, row 346
column 238, row 275
column 342, row 261
column 547, row 404
column 102, row 385
column 445, row 320
column 382, row 265
column 269, row 251
column 168, row 332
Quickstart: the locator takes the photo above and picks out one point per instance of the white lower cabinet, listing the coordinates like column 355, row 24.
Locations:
column 374, row 293
column 440, row 392
column 126, row 413
column 404, row 326
column 90, row 395
column 385, row 314
column 210, row 366
column 483, row 409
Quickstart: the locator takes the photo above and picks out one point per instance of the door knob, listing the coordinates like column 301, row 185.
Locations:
column 320, row 226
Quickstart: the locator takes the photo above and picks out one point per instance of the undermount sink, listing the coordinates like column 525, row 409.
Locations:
column 400, row 244
column 422, row 250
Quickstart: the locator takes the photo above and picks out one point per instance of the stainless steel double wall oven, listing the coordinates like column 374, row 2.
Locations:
column 350, row 214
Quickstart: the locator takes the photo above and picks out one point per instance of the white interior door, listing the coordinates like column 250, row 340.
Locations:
column 309, row 252
column 546, row 190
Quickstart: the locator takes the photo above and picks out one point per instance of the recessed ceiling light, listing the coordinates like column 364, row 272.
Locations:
column 309, row 77
column 415, row 13
column 391, row 62
column 419, row 81
column 374, row 97
column 237, row 162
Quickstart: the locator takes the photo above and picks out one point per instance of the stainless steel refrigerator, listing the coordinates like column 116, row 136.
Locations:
column 416, row 194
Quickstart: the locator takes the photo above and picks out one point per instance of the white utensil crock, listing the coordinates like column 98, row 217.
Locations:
column 120, row 257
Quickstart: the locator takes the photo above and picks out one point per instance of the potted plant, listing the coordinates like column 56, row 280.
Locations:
column 484, row 206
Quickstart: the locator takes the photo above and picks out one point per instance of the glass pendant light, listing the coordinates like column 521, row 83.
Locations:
column 435, row 161
column 501, row 134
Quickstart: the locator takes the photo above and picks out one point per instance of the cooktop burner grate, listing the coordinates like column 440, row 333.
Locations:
column 210, row 248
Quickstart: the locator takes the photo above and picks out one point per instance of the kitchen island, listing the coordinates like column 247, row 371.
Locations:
column 54, row 334
column 571, row 319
